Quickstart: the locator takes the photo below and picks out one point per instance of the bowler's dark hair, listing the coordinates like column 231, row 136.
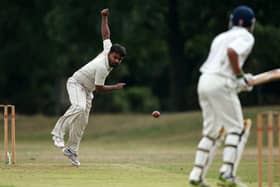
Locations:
column 117, row 48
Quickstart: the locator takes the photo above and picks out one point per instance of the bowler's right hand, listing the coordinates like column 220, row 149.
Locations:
column 105, row 12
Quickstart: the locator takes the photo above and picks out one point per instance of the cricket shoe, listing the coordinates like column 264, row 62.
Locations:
column 230, row 182
column 72, row 156
column 199, row 184
column 58, row 141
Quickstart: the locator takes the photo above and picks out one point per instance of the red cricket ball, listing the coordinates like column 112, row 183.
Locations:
column 156, row 114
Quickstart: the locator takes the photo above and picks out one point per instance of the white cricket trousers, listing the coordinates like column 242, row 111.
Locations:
column 220, row 105
column 75, row 119
column 220, row 109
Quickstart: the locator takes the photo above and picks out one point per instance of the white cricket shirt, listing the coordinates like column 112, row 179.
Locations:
column 96, row 71
column 217, row 62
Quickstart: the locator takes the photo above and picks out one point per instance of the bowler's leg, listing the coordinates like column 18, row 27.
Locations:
column 77, row 97
column 78, row 126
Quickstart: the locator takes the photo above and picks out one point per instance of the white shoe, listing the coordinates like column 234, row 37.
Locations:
column 72, row 156
column 199, row 183
column 230, row 182
column 58, row 142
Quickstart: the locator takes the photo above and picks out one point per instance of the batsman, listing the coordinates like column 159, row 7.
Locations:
column 91, row 77
column 221, row 80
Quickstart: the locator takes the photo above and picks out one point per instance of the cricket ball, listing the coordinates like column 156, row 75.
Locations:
column 156, row 114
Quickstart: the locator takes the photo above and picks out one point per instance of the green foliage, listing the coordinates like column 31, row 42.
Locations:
column 44, row 42
column 264, row 58
column 267, row 57
column 135, row 99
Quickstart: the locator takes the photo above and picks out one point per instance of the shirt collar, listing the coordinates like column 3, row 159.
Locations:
column 238, row 27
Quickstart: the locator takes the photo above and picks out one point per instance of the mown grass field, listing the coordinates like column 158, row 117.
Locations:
column 130, row 150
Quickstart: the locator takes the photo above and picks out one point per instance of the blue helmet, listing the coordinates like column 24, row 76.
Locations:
column 244, row 13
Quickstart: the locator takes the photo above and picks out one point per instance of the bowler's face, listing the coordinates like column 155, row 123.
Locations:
column 114, row 59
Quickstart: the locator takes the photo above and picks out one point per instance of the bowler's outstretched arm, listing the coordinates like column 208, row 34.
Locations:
column 105, row 30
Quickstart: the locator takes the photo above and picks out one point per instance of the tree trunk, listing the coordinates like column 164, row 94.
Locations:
column 176, row 50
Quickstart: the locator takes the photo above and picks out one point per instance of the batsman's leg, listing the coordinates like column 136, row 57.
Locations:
column 232, row 157
column 203, row 159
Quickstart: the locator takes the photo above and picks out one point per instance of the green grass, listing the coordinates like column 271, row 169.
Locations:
column 131, row 150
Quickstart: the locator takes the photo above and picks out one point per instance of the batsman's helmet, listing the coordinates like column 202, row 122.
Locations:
column 244, row 13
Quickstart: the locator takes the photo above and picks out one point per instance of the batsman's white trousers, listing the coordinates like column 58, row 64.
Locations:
column 75, row 119
column 220, row 105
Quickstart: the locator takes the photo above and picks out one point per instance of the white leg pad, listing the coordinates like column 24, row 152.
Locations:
column 204, row 156
column 202, row 153
column 195, row 174
column 230, row 153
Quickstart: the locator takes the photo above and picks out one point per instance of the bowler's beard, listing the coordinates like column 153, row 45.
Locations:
column 113, row 65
